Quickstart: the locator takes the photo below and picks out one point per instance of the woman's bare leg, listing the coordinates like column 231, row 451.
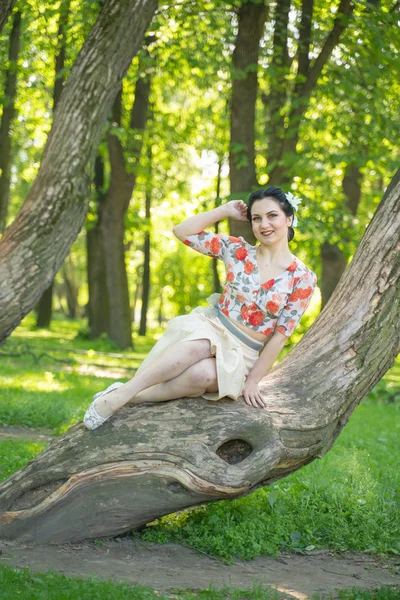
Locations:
column 168, row 365
column 195, row 381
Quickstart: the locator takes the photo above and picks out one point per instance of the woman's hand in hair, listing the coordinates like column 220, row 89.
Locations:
column 236, row 210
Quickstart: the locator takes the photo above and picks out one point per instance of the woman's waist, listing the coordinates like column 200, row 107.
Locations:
column 260, row 337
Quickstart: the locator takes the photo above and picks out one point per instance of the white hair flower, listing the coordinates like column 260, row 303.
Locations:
column 294, row 202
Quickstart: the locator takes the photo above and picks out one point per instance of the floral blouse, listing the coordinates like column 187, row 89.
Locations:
column 274, row 305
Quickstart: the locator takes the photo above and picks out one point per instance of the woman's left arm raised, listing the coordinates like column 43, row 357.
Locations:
column 251, row 391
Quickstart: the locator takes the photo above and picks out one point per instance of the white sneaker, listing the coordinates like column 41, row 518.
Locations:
column 92, row 419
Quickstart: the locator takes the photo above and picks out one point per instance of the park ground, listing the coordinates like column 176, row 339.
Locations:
column 330, row 527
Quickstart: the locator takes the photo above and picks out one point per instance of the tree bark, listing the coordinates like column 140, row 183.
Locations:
column 7, row 118
column 36, row 243
column 118, row 197
column 242, row 172
column 146, row 262
column 150, row 460
column 98, row 304
column 6, row 7
column 333, row 259
column 44, row 309
column 216, row 281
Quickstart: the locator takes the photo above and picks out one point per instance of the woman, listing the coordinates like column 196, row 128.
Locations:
column 226, row 348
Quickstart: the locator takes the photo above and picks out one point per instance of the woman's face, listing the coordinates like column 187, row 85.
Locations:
column 268, row 221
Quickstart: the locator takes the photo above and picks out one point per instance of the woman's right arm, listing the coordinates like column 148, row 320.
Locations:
column 236, row 209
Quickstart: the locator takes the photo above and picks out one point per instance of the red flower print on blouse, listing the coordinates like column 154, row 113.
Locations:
column 248, row 267
column 268, row 331
column 272, row 307
column 187, row 242
column 215, row 245
column 256, row 318
column 233, row 239
column 296, row 280
column 225, row 311
column 245, row 313
column 300, row 294
column 268, row 284
column 292, row 267
column 241, row 253
column 230, row 276
column 281, row 329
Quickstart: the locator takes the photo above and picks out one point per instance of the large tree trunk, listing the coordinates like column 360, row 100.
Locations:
column 7, row 118
column 242, row 172
column 118, row 197
column 150, row 460
column 44, row 309
column 98, row 304
column 333, row 259
column 36, row 243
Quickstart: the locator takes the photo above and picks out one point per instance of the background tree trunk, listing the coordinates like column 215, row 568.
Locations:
column 60, row 193
column 44, row 309
column 333, row 259
column 118, row 197
column 150, row 460
column 216, row 281
column 98, row 304
column 146, row 262
column 242, row 173
column 7, row 118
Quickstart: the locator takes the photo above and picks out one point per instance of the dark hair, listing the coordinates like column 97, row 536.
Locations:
column 280, row 197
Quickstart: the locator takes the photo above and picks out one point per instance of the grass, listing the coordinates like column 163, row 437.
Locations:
column 22, row 583
column 346, row 501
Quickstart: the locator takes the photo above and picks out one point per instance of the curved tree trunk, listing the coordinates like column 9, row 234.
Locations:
column 150, row 460
column 36, row 243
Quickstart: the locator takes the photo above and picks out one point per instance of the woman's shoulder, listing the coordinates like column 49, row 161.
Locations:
column 303, row 272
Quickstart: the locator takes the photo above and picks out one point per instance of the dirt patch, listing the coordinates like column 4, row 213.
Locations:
column 25, row 433
column 172, row 566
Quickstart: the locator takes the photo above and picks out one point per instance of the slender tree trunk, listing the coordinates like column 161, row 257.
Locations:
column 44, row 310
column 115, row 206
column 242, row 171
column 7, row 118
column 332, row 258
column 147, row 247
column 216, row 281
column 55, row 208
column 98, row 304
column 71, row 288
column 6, row 7
column 191, row 451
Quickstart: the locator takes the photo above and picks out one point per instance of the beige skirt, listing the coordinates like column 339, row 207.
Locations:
column 234, row 358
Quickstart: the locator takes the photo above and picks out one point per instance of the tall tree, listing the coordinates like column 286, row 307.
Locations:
column 60, row 192
column 44, row 308
column 146, row 247
column 7, row 118
column 122, row 182
column 186, row 452
column 242, row 173
column 98, row 302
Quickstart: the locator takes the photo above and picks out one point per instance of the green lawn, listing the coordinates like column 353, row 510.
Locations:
column 349, row 500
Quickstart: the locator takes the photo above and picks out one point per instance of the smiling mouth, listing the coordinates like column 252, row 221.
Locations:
column 266, row 233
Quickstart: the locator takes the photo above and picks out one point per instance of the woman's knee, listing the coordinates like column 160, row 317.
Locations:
column 199, row 349
column 203, row 374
